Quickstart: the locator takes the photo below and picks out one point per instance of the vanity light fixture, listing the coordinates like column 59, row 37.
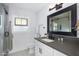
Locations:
column 53, row 6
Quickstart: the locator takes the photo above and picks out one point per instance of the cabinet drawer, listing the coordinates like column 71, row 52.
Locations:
column 46, row 50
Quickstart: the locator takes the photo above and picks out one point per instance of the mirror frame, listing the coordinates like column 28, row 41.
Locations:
column 73, row 9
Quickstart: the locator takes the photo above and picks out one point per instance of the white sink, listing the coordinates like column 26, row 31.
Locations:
column 48, row 40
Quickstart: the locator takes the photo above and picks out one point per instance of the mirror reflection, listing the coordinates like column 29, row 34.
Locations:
column 61, row 22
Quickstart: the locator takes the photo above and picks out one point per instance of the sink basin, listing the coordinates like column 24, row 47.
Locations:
column 48, row 40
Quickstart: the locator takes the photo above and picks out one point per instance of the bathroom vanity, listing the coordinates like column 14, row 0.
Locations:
column 43, row 48
column 69, row 47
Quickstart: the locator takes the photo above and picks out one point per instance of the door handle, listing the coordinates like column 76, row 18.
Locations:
column 6, row 34
column 40, row 50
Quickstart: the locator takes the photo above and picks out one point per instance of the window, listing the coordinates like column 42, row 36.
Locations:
column 21, row 21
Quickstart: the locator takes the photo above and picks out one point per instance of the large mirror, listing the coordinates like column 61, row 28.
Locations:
column 61, row 22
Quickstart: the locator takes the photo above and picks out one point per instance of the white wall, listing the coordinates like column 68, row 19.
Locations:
column 23, row 37
column 42, row 16
column 42, row 20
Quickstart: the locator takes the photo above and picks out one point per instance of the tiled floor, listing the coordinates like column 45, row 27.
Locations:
column 22, row 53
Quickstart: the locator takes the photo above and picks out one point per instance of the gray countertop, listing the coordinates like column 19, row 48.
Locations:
column 69, row 46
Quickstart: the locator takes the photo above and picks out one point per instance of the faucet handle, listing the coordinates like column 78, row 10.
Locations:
column 61, row 39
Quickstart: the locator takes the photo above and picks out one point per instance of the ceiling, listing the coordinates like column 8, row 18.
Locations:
column 35, row 7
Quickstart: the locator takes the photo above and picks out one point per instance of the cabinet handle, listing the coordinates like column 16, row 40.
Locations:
column 40, row 50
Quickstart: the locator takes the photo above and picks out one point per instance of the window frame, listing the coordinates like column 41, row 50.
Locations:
column 21, row 21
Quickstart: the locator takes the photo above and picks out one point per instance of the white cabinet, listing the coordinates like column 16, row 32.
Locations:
column 37, row 48
column 44, row 50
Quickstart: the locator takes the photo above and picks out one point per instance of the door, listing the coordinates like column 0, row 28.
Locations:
column 5, row 31
column 1, row 29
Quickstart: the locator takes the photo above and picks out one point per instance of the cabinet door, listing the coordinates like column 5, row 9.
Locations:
column 38, row 49
column 46, row 50
column 2, row 19
column 57, row 53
